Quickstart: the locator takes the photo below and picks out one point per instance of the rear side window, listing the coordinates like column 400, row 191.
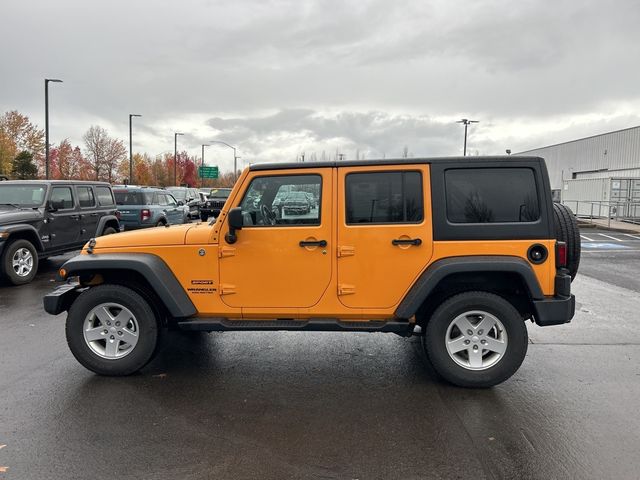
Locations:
column 105, row 198
column 85, row 197
column 63, row 197
column 384, row 197
column 125, row 197
column 491, row 195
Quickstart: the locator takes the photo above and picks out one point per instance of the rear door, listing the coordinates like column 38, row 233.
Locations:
column 384, row 233
column 89, row 216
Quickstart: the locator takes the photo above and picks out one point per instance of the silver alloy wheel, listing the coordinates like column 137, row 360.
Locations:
column 111, row 331
column 476, row 340
column 22, row 262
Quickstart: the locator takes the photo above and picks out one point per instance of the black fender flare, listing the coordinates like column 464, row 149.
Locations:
column 436, row 272
column 103, row 221
column 23, row 227
column 151, row 267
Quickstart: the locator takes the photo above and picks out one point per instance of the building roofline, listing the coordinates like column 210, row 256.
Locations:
column 577, row 140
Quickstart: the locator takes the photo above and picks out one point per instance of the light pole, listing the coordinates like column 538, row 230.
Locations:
column 46, row 124
column 175, row 157
column 235, row 158
column 131, row 115
column 202, row 164
column 466, row 123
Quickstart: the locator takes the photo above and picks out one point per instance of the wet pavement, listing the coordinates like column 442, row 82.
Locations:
column 326, row 405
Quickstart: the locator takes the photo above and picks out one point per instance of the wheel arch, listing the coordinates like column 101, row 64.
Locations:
column 507, row 276
column 145, row 273
column 107, row 221
column 25, row 232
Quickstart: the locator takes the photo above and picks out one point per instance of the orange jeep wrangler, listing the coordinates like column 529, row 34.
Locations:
column 461, row 251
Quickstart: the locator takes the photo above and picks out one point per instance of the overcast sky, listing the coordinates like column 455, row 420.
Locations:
column 279, row 78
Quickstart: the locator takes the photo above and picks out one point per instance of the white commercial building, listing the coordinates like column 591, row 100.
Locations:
column 598, row 175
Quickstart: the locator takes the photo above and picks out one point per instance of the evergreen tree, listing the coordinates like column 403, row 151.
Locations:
column 23, row 167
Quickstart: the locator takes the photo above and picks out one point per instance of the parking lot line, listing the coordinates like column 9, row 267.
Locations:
column 632, row 236
column 609, row 236
column 586, row 238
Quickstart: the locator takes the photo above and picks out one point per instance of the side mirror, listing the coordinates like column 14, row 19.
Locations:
column 54, row 205
column 180, row 203
column 235, row 223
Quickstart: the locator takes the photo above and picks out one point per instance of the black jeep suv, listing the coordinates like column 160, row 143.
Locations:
column 41, row 218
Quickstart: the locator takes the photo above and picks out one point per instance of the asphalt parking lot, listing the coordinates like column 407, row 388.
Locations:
column 329, row 405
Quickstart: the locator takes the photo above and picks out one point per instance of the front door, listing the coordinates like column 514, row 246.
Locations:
column 64, row 223
column 384, row 233
column 175, row 213
column 281, row 257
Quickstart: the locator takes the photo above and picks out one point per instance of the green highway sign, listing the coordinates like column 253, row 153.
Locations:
column 208, row 172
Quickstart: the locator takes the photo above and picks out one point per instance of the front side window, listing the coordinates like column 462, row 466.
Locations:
column 85, row 197
column 384, row 197
column 283, row 200
column 62, row 198
column 491, row 195
column 171, row 201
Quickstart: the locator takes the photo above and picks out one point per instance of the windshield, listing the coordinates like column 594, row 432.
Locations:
column 125, row 197
column 179, row 194
column 220, row 192
column 23, row 195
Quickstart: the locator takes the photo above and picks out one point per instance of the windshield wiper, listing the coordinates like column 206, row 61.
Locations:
column 13, row 205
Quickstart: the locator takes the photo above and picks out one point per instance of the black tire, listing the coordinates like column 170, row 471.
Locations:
column 161, row 223
column 7, row 262
column 109, row 231
column 204, row 217
column 567, row 231
column 148, row 331
column 435, row 338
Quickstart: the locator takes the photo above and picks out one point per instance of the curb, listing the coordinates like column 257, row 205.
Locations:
column 582, row 224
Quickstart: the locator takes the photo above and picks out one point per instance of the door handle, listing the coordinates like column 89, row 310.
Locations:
column 94, row 214
column 407, row 241
column 313, row 243
column 75, row 217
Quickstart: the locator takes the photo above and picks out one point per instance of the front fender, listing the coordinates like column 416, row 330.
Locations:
column 151, row 267
column 23, row 227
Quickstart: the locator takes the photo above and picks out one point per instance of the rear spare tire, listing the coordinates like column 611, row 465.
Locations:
column 567, row 231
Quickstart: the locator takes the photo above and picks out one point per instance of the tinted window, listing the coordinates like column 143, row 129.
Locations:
column 85, row 197
column 104, row 196
column 22, row 195
column 491, row 195
column 282, row 200
column 126, row 197
column 384, row 197
column 63, row 197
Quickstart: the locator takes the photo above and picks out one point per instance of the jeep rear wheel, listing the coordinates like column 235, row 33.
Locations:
column 112, row 330
column 20, row 262
column 476, row 339
column 109, row 231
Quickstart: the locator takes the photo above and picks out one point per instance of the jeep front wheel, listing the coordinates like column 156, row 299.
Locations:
column 112, row 330
column 20, row 262
column 476, row 339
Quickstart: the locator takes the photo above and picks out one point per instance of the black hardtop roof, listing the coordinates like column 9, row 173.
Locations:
column 57, row 182
column 137, row 188
column 466, row 161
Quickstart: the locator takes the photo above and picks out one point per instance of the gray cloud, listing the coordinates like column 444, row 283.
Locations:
column 279, row 77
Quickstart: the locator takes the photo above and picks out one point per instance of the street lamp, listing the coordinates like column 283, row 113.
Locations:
column 175, row 157
column 202, row 164
column 46, row 124
column 466, row 123
column 235, row 158
column 131, row 115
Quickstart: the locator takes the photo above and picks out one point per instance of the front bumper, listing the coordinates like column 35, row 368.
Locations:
column 61, row 298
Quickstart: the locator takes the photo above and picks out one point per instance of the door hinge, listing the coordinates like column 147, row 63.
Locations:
column 344, row 289
column 346, row 251
column 226, row 289
column 226, row 251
